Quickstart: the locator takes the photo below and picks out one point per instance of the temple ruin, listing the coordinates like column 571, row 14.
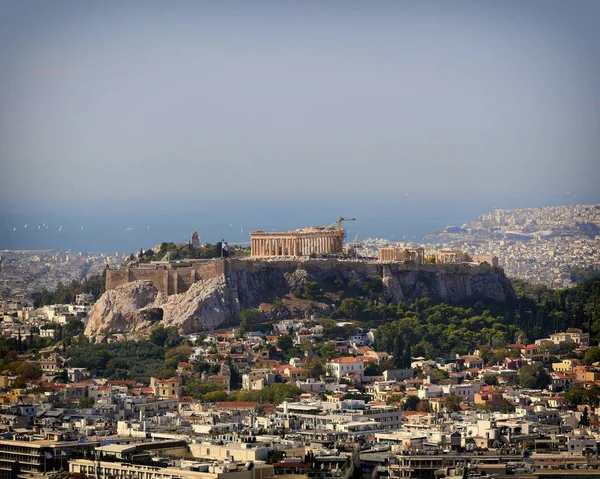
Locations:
column 319, row 240
column 420, row 256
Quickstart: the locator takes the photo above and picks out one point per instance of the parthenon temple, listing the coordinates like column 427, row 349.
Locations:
column 300, row 242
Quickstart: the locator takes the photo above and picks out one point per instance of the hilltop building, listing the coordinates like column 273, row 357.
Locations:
column 393, row 253
column 442, row 256
column 195, row 240
column 300, row 242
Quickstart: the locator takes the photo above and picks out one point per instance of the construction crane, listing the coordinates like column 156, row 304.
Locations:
column 341, row 232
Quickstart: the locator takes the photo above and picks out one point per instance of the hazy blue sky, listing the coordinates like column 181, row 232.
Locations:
column 135, row 99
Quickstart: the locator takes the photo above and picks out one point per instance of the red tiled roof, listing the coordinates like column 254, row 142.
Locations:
column 170, row 380
column 236, row 404
column 345, row 359
column 188, row 399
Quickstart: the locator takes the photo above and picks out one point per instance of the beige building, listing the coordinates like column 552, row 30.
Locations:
column 571, row 335
column 109, row 470
column 166, row 388
column 300, row 242
column 444, row 256
column 51, row 364
column 394, row 253
column 566, row 366
column 238, row 451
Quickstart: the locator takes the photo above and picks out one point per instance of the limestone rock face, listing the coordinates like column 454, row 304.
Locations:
column 206, row 305
column 112, row 312
column 135, row 307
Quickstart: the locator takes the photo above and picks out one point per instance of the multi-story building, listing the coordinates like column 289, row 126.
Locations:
column 38, row 456
column 571, row 335
column 346, row 366
column 109, row 470
column 167, row 388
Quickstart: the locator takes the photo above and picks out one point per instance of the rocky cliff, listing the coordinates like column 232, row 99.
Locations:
column 135, row 307
column 208, row 304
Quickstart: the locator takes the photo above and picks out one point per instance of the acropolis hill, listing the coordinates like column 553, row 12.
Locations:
column 205, row 294
column 178, row 276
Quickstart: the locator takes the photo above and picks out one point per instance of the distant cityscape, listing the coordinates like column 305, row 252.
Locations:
column 540, row 245
column 22, row 274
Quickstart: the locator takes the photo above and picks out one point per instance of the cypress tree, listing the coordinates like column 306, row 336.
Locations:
column 584, row 420
column 407, row 356
column 398, row 351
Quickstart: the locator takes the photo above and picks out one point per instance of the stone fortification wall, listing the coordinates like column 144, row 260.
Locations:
column 168, row 279
column 401, row 280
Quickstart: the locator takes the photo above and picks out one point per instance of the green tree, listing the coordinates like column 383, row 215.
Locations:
column 285, row 343
column 162, row 336
column 373, row 286
column 584, row 420
column 197, row 389
column 410, row 403
column 73, row 328
column 533, row 377
column 575, row 396
column 243, row 327
column 87, row 402
column 407, row 356
column 327, row 350
column 371, row 369
column 248, row 319
column 312, row 290
column 592, row 355
column 349, row 308
column 452, row 403
column 398, row 355
column 176, row 355
column 215, row 396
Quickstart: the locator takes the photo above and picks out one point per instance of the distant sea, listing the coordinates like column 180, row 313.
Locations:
column 128, row 225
